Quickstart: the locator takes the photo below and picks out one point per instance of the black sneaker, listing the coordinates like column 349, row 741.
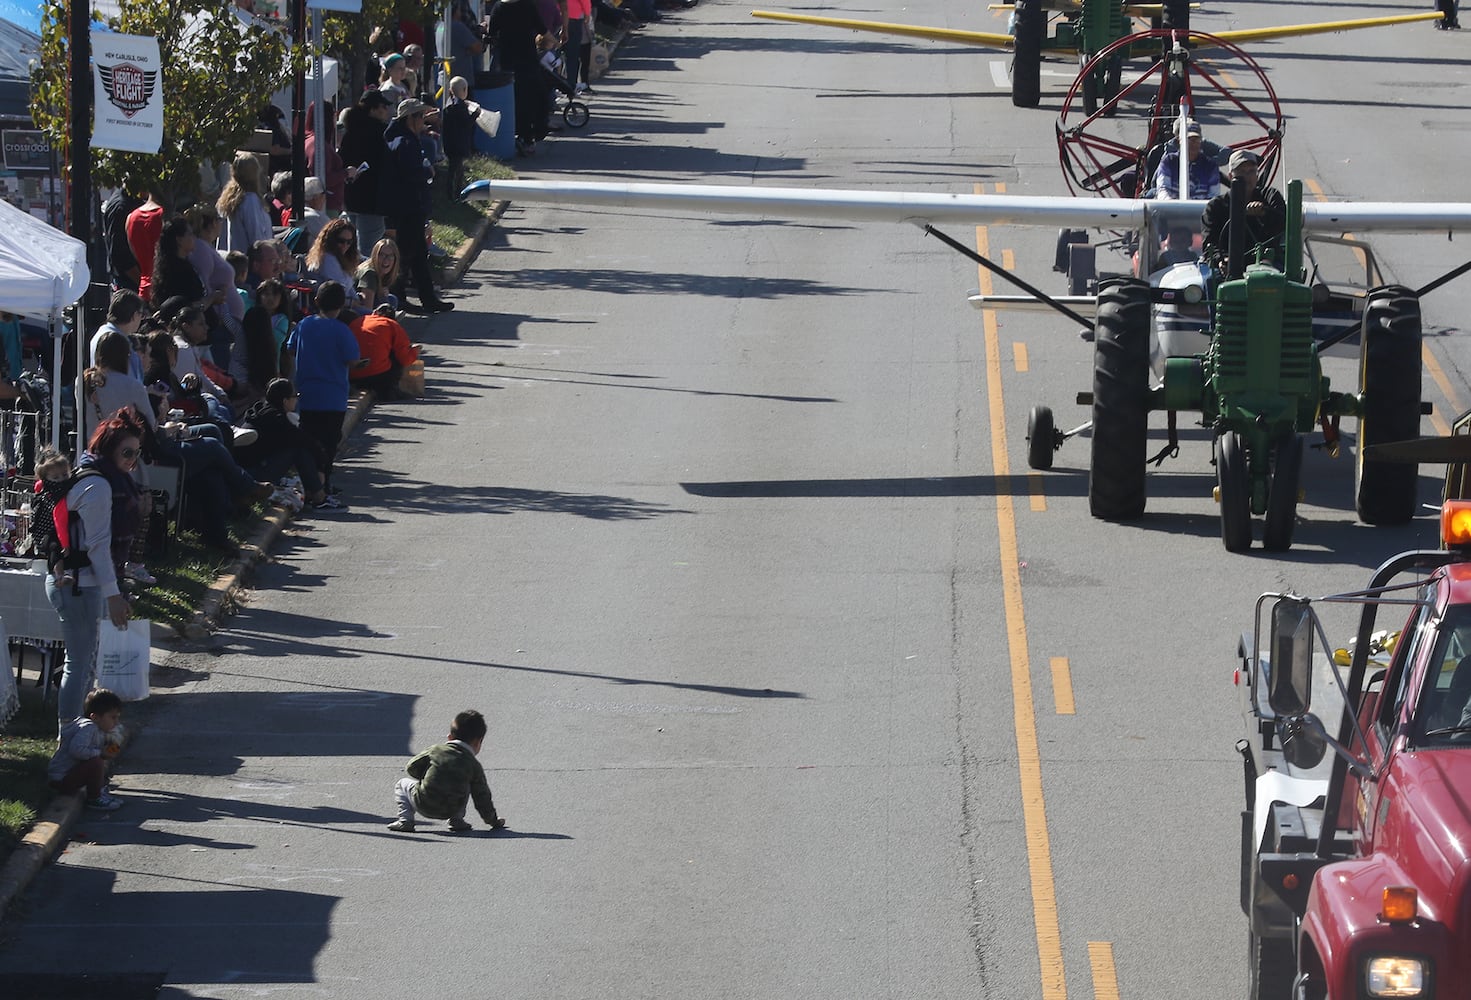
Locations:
column 438, row 306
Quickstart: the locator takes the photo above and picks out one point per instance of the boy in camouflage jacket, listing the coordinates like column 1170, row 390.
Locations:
column 443, row 779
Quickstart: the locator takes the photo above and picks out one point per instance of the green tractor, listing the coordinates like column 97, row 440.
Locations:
column 1085, row 28
column 1259, row 387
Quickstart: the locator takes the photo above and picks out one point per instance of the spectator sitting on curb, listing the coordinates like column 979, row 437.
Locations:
column 384, row 344
column 80, row 758
column 282, row 445
column 334, row 256
column 377, row 275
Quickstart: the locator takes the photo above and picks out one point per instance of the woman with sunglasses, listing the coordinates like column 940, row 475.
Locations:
column 111, row 454
column 334, row 257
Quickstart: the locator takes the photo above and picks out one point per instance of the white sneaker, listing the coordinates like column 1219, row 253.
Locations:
column 105, row 802
column 245, row 436
column 139, row 572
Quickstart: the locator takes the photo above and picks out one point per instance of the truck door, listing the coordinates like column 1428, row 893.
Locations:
column 1381, row 716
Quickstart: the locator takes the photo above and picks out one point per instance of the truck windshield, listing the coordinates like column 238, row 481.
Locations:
column 1443, row 717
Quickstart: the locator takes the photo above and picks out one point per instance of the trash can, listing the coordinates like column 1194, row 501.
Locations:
column 496, row 92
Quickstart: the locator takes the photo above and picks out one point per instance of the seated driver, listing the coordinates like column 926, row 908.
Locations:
column 1265, row 215
column 1202, row 172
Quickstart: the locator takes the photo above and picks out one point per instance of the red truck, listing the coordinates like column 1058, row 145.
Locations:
column 1356, row 843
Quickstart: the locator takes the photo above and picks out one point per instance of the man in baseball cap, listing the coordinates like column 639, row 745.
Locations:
column 1264, row 215
column 1202, row 175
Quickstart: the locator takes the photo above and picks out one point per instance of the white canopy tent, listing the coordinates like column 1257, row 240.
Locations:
column 42, row 272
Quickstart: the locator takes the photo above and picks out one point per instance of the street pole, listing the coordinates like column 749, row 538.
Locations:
column 298, row 115
column 79, row 48
column 319, row 123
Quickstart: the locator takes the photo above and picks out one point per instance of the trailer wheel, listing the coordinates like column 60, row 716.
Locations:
column 1234, row 487
column 1282, row 494
column 1389, row 378
column 1029, row 27
column 1116, row 490
column 1271, row 967
column 1041, row 437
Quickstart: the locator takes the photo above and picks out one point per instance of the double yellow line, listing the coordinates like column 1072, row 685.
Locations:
column 1024, row 715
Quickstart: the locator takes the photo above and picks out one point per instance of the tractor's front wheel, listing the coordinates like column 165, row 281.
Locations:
column 1116, row 472
column 1030, row 29
column 1282, row 494
column 1389, row 381
column 1233, row 485
column 1175, row 15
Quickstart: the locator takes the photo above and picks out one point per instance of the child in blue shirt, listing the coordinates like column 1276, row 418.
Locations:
column 325, row 350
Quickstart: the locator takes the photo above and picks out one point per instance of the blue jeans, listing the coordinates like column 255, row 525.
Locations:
column 370, row 230
column 80, row 618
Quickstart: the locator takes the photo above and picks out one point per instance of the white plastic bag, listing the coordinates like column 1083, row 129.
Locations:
column 488, row 122
column 122, row 659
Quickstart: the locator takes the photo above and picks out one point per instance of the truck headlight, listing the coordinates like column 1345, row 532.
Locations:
column 1390, row 976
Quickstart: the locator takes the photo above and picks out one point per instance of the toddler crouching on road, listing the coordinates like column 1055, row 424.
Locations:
column 443, row 779
column 80, row 758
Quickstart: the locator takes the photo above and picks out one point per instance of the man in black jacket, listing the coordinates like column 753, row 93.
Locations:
column 363, row 150
column 1265, row 214
column 403, row 198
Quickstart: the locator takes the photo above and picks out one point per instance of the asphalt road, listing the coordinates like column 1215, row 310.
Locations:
column 799, row 684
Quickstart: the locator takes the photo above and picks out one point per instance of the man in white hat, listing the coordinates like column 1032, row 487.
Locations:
column 404, row 193
column 1203, row 174
column 1265, row 214
column 316, row 209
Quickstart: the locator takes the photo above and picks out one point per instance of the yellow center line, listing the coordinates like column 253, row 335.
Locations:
column 1029, row 761
column 1062, row 686
column 1105, row 979
column 1019, row 355
column 1039, row 495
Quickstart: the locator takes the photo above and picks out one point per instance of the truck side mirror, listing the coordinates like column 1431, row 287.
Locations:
column 1290, row 682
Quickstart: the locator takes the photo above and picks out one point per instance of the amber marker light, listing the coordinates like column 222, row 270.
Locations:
column 1400, row 904
column 1290, row 881
column 1455, row 523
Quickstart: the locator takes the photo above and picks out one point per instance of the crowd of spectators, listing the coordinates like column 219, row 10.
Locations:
column 238, row 324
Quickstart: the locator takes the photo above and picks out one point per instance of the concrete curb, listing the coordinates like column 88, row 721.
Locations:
column 56, row 822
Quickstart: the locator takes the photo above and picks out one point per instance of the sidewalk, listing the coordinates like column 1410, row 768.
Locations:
column 54, row 826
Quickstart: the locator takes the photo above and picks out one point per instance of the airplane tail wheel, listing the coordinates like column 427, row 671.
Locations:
column 1389, row 377
column 1030, row 29
column 1116, row 472
column 575, row 114
column 1041, row 438
column 1282, row 494
column 1233, row 482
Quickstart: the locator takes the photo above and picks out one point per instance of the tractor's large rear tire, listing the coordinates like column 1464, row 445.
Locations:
column 1271, row 967
column 1233, row 484
column 1116, row 480
column 1389, row 379
column 1030, row 27
column 1282, row 494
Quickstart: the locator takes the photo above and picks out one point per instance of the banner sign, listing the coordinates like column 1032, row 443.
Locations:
column 26, row 149
column 344, row 6
column 129, row 92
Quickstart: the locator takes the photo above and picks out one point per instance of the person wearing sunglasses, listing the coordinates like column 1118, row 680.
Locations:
column 407, row 176
column 334, row 256
column 111, row 454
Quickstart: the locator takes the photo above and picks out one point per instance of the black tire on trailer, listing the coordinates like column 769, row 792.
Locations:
column 1389, row 380
column 1112, row 78
column 1281, row 516
column 1116, row 471
column 1030, row 29
column 1041, row 437
column 1271, row 967
column 1233, row 482
column 1090, row 94
column 1082, row 268
column 1175, row 15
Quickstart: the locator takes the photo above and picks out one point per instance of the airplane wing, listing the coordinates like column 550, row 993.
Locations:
column 922, row 208
column 985, row 39
column 993, row 41
column 1320, row 28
